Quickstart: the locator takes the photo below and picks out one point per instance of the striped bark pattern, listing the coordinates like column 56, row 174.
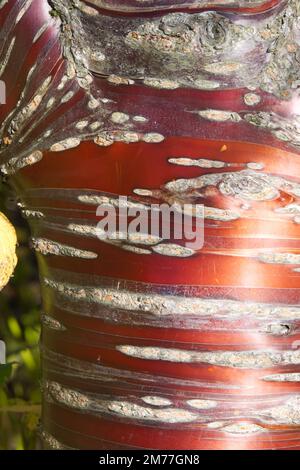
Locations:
column 146, row 344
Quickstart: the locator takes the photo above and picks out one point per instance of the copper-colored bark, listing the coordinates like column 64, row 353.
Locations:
column 143, row 350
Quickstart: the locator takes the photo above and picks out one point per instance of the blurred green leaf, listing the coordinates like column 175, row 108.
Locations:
column 5, row 372
column 32, row 335
column 14, row 327
column 3, row 398
column 28, row 359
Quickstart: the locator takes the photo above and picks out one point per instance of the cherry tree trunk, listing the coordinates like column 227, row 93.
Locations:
column 148, row 344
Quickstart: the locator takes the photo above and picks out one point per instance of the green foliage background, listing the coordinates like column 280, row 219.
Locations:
column 20, row 395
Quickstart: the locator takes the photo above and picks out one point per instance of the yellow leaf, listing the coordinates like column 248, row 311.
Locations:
column 8, row 242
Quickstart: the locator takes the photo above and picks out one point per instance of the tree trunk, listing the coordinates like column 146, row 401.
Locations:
column 147, row 343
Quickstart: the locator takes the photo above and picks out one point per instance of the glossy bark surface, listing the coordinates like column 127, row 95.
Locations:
column 145, row 344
